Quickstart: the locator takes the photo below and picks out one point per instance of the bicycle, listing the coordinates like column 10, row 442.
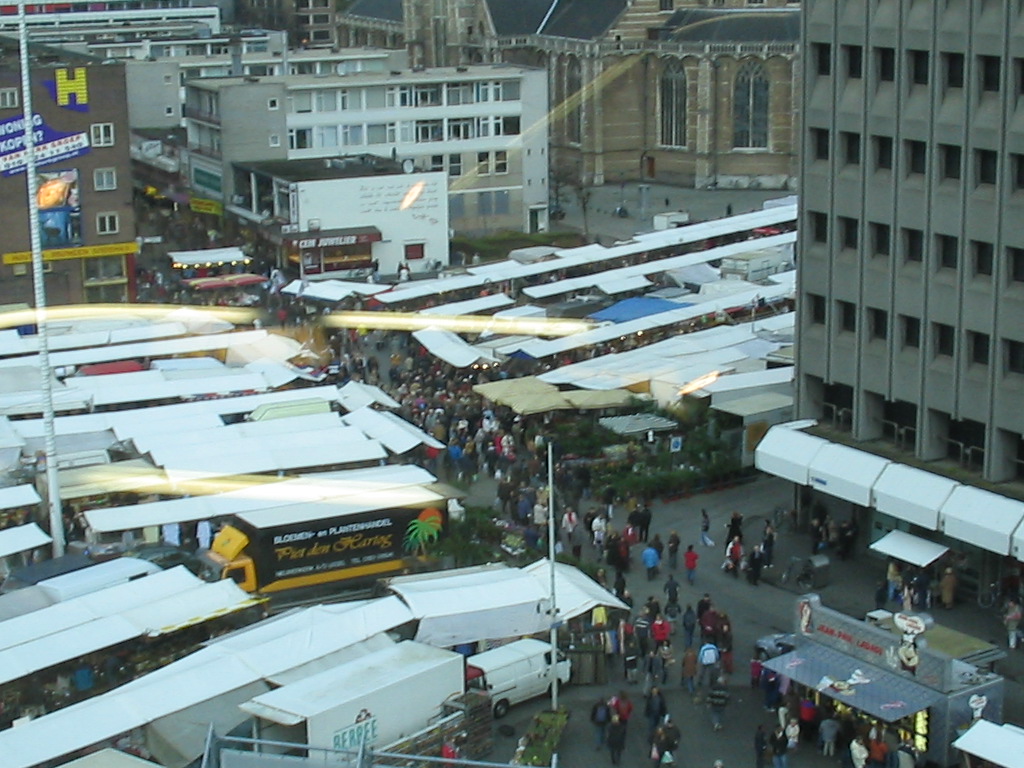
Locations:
column 799, row 570
column 990, row 596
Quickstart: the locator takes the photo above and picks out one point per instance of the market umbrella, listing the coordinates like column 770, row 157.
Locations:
column 245, row 278
column 207, row 283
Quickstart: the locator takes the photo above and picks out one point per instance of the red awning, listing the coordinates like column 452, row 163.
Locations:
column 207, row 283
column 121, row 366
column 246, row 278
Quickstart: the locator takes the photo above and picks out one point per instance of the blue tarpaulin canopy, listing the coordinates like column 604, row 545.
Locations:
column 631, row 309
column 854, row 682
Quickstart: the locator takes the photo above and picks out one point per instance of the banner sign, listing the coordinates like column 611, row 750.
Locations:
column 52, row 146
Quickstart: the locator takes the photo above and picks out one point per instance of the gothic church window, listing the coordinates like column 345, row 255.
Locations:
column 574, row 101
column 673, row 105
column 750, row 107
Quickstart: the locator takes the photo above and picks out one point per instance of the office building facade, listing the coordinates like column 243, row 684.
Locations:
column 911, row 279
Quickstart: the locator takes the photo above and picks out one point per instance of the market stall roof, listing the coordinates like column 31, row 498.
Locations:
column 22, row 538
column 18, row 496
column 258, row 493
column 131, row 476
column 108, row 758
column 787, row 453
column 14, row 343
column 451, row 347
column 631, row 309
column 319, row 693
column 754, row 405
column 845, row 472
column 751, row 380
column 394, row 433
column 207, row 257
column 912, row 494
column 575, row 592
column 622, row 284
column 870, row 689
column 390, row 498
column 637, row 424
column 355, row 395
column 500, row 391
column 982, row 518
column 331, row 290
column 999, row 745
column 244, row 433
column 598, row 399
column 470, row 306
column 909, row 548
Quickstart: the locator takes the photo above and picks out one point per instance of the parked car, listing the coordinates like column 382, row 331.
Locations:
column 770, row 646
column 168, row 556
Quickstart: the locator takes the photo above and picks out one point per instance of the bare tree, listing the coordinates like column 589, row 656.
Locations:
column 571, row 177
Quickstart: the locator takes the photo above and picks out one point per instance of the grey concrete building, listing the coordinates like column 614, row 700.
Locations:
column 911, row 284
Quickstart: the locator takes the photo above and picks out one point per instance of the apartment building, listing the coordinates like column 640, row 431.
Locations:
column 86, row 220
column 911, row 329
column 114, row 19
column 484, row 126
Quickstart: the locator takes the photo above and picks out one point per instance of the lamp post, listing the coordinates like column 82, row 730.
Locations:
column 551, row 562
column 39, row 289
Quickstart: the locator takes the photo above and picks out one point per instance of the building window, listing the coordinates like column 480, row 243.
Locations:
column 819, row 226
column 501, row 161
column 886, row 58
column 949, row 157
column 101, row 134
column 817, row 303
column 9, row 98
column 274, row 140
column 106, row 224
column 979, row 345
column 456, row 206
column 918, row 63
column 880, row 239
column 750, row 107
column 273, row 104
column 953, row 69
column 574, row 91
column 501, row 202
column 847, row 316
column 820, row 143
column 666, row 5
column 883, row 153
column 1014, row 353
column 854, row 56
column 986, row 166
column 989, row 72
column 104, row 179
column 455, row 165
column 300, row 138
column 911, row 331
column 673, row 105
column 913, row 244
column 878, row 320
column 436, row 163
column 414, row 251
column 848, row 231
column 822, row 59
column 983, row 255
column 917, row 156
column 483, row 163
column 484, row 204
column 1015, row 264
column 1017, row 169
column 947, row 247
column 943, row 336
column 851, row 148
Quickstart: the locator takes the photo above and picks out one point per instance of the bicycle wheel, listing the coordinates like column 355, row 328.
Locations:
column 986, row 598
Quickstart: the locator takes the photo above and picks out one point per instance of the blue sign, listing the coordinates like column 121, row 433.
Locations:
column 51, row 146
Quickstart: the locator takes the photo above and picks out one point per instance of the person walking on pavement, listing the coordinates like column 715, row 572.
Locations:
column 828, row 732
column 616, row 738
column 643, row 522
column 689, row 667
column 858, row 752
column 760, row 747
column 622, row 706
column 717, row 698
column 705, row 529
column 708, row 658
column 655, row 709
column 1011, row 619
column 671, row 589
column 651, row 562
column 674, row 542
column 600, row 716
column 779, row 746
column 690, row 559
column 689, row 625
column 754, row 564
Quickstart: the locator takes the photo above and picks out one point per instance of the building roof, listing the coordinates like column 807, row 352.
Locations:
column 385, row 10
column 321, row 168
column 43, row 55
column 580, row 19
column 517, row 17
column 744, row 25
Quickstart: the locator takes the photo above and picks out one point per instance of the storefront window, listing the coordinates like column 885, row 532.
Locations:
column 103, row 269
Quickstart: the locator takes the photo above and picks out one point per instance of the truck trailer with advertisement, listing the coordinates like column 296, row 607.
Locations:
column 350, row 540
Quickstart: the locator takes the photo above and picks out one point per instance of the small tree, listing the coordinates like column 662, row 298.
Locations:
column 571, row 177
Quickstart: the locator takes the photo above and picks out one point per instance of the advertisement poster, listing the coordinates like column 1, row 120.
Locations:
column 51, row 146
column 60, row 209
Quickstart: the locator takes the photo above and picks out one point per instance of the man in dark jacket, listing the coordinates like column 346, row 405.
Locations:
column 718, row 698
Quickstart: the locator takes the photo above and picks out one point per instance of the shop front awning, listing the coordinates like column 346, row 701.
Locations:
column 787, row 453
column 208, row 257
column 982, row 518
column 851, row 681
column 909, row 548
column 913, row 495
column 845, row 472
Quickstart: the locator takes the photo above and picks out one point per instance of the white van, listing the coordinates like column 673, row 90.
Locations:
column 514, row 672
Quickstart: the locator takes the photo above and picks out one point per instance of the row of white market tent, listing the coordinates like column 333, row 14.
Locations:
column 177, row 704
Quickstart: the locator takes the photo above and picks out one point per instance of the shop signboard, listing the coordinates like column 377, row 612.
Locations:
column 51, row 146
column 362, row 732
column 333, row 250
column 906, row 654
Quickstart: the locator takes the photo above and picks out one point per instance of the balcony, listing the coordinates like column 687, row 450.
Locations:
column 192, row 113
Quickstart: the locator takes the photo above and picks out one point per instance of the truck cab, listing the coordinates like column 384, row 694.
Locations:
column 226, row 559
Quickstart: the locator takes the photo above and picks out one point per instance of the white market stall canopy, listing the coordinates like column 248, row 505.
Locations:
column 1001, row 746
column 492, row 602
column 330, row 290
column 22, row 538
column 909, row 548
column 258, row 493
column 913, row 495
column 18, row 496
column 450, row 347
column 788, row 453
column 13, row 343
column 610, row 287
column 393, row 432
column 208, row 257
column 355, row 395
column 845, row 472
column 370, row 501
column 470, row 306
column 108, row 758
column 982, row 518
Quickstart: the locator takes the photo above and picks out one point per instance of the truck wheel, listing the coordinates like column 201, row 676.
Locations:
column 500, row 709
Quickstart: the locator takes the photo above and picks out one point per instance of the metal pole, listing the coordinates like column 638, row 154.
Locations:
column 551, row 563
column 39, row 290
